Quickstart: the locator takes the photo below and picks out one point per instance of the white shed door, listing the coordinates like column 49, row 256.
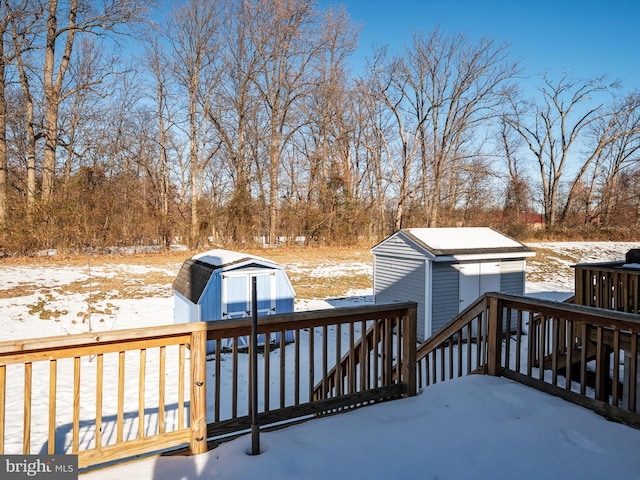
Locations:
column 236, row 293
column 476, row 279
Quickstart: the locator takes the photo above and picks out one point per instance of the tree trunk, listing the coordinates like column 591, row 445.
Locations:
column 3, row 141
column 195, row 167
column 53, row 89
column 274, row 164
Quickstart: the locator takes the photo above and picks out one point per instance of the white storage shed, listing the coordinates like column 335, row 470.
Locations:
column 444, row 270
column 216, row 285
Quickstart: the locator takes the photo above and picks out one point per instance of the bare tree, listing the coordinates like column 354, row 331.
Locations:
column 618, row 123
column 463, row 85
column 622, row 153
column 234, row 105
column 24, row 24
column 326, row 140
column 4, row 26
column 371, row 123
column 80, row 18
column 84, row 109
column 392, row 87
column 555, row 129
column 193, row 35
column 518, row 191
column 285, row 36
column 157, row 64
column 440, row 92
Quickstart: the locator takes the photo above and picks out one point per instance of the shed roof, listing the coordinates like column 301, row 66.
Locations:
column 195, row 272
column 219, row 258
column 192, row 279
column 464, row 243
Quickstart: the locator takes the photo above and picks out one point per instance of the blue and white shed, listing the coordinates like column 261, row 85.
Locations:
column 444, row 270
column 216, row 285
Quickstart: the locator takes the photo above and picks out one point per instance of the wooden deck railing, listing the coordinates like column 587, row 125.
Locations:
column 608, row 285
column 359, row 356
column 458, row 349
column 118, row 394
column 586, row 355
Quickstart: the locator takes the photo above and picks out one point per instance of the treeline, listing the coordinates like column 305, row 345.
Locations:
column 236, row 121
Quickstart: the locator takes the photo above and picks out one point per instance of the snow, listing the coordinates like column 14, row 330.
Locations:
column 473, row 427
column 221, row 258
column 462, row 238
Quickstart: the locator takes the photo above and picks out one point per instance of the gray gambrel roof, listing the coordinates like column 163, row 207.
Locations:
column 192, row 279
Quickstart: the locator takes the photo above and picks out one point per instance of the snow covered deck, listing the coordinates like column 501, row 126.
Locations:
column 473, row 427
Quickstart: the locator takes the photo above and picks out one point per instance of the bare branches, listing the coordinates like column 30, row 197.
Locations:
column 439, row 92
column 243, row 120
column 575, row 122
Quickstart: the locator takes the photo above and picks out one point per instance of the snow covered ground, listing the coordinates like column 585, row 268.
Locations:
column 468, row 428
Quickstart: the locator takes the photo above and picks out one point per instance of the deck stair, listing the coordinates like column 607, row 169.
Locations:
column 507, row 335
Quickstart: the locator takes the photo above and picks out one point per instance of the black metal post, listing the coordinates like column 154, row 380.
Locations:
column 255, row 425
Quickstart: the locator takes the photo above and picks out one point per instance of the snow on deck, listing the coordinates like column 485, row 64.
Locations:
column 473, row 427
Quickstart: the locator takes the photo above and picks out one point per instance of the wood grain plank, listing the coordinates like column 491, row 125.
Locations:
column 76, row 405
column 26, row 429
column 53, row 379
column 99, row 396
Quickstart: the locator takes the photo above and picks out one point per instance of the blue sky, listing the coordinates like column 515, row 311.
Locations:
column 585, row 38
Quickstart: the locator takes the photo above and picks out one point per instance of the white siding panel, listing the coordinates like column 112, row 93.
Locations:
column 512, row 282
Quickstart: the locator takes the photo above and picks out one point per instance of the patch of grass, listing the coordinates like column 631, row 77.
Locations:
column 96, row 310
column 548, row 263
column 309, row 287
column 45, row 313
column 122, row 283
column 22, row 290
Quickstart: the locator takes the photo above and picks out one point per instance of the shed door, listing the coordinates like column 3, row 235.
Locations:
column 236, row 293
column 476, row 279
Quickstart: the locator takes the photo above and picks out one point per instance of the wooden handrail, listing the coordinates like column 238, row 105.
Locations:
column 579, row 313
column 470, row 313
column 188, row 343
column 346, row 358
column 354, row 356
column 569, row 337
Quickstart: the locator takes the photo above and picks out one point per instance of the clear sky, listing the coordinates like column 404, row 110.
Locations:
column 584, row 38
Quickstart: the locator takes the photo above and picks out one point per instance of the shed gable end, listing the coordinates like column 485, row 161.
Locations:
column 401, row 279
column 399, row 246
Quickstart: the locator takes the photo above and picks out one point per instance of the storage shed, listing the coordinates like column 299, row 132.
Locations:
column 444, row 270
column 216, row 285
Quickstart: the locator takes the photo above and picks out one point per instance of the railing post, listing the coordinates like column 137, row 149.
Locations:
column 253, row 369
column 494, row 340
column 579, row 285
column 603, row 367
column 409, row 347
column 198, row 403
